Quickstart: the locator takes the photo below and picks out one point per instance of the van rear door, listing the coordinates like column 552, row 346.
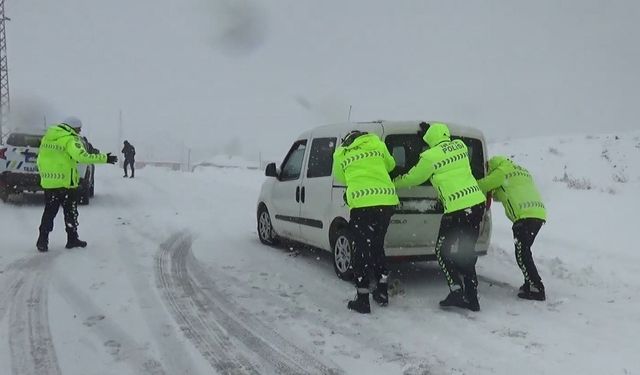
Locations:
column 416, row 221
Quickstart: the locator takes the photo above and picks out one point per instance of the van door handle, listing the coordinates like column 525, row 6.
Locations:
column 302, row 195
column 297, row 193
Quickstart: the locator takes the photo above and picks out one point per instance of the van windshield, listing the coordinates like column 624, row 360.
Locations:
column 24, row 140
column 406, row 150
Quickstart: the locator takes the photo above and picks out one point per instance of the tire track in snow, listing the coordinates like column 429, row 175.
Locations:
column 232, row 340
column 12, row 282
column 172, row 349
column 30, row 341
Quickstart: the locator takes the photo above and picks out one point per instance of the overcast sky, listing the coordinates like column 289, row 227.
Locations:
column 202, row 72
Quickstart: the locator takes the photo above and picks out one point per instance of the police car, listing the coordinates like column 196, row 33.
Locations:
column 19, row 171
column 301, row 201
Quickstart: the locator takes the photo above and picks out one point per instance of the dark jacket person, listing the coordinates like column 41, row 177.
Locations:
column 129, row 158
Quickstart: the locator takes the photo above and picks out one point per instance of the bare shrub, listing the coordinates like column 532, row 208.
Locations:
column 579, row 184
column 554, row 151
column 620, row 178
column 574, row 182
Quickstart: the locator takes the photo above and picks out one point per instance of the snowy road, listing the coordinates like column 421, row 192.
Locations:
column 174, row 281
column 222, row 331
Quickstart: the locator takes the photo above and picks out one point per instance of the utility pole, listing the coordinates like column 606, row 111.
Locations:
column 120, row 134
column 4, row 74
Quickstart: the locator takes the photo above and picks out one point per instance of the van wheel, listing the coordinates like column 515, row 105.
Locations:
column 342, row 254
column 84, row 195
column 92, row 190
column 4, row 194
column 265, row 230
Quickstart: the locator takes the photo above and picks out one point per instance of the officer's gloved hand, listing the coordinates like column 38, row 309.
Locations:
column 423, row 129
column 111, row 159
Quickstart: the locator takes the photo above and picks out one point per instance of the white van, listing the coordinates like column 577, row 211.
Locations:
column 19, row 172
column 301, row 201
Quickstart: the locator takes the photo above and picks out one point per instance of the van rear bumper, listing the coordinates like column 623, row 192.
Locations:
column 421, row 258
column 21, row 181
column 425, row 253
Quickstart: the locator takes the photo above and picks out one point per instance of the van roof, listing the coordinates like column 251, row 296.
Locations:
column 396, row 127
column 28, row 131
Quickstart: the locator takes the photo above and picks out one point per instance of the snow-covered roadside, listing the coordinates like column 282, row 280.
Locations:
column 108, row 313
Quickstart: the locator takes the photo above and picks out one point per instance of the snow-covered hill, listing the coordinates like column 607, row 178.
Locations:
column 174, row 281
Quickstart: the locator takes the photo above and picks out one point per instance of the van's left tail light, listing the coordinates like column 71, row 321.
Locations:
column 3, row 151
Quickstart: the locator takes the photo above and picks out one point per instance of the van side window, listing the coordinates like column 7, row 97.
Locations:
column 321, row 157
column 292, row 164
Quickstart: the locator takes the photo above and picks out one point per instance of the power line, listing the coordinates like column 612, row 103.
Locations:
column 4, row 74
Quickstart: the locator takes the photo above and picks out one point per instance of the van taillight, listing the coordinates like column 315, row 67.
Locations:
column 489, row 200
column 2, row 153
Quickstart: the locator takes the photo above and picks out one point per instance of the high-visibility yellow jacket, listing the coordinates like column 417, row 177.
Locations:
column 364, row 166
column 60, row 152
column 513, row 185
column 447, row 164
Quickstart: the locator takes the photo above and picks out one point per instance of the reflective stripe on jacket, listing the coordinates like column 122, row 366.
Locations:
column 364, row 167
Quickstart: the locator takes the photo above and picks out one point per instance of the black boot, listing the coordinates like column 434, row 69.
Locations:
column 535, row 293
column 381, row 294
column 471, row 296
column 471, row 293
column 360, row 303
column 74, row 241
column 43, row 242
column 455, row 298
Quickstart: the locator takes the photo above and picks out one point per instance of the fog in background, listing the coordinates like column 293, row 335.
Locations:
column 248, row 76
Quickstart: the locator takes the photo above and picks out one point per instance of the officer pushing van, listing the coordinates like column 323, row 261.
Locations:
column 513, row 185
column 363, row 163
column 446, row 164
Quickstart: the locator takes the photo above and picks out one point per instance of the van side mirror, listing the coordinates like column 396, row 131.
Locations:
column 271, row 171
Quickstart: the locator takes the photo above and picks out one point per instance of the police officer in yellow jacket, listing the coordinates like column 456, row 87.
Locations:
column 61, row 149
column 513, row 185
column 363, row 163
column 446, row 164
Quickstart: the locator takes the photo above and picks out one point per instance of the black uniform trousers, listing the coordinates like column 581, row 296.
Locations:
column 464, row 227
column 130, row 163
column 54, row 198
column 524, row 233
column 369, row 227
